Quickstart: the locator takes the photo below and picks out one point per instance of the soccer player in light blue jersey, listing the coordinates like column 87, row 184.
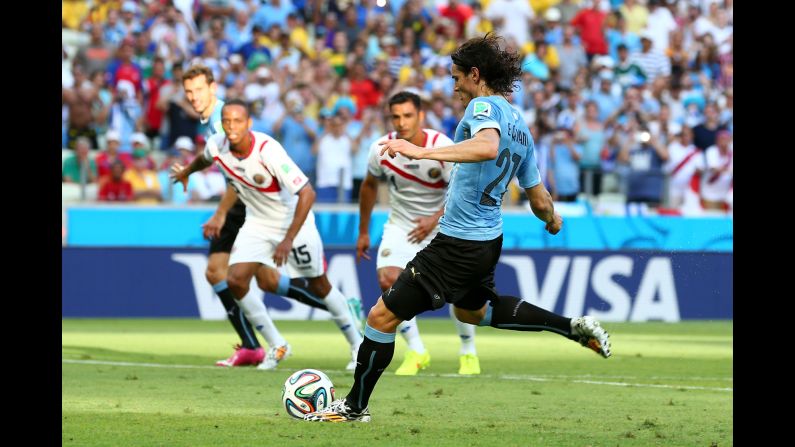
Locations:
column 493, row 144
column 222, row 229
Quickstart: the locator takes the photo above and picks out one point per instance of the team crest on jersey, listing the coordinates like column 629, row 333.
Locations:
column 434, row 172
column 259, row 178
column 481, row 108
column 386, row 252
column 286, row 168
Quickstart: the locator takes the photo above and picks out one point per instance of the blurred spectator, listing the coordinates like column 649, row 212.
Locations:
column 114, row 187
column 153, row 116
column 255, row 52
column 719, row 172
column 511, row 18
column 129, row 24
column 236, row 72
column 223, row 46
column 81, row 122
column 300, row 130
column 635, row 14
column 568, row 9
column 660, row 24
column 80, row 168
column 97, row 54
column 605, row 100
column 172, row 34
column 590, row 21
column 705, row 133
column 684, row 161
column 652, row 62
column 139, row 141
column 144, row 54
column 644, row 156
column 114, row 31
column 125, row 113
column 238, row 31
column 617, row 33
column 111, row 154
column 564, row 158
column 572, row 58
column 273, row 12
column 371, row 130
column 458, row 12
column 333, row 150
column 73, row 12
column 627, row 70
column 593, row 137
column 124, row 69
column 144, row 181
column 478, row 24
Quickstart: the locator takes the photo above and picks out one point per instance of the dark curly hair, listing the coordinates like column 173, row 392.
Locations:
column 500, row 68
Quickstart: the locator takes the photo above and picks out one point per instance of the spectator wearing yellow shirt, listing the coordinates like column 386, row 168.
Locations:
column 73, row 12
column 478, row 24
column 144, row 181
column 635, row 14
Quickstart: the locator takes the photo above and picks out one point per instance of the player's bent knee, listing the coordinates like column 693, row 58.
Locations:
column 214, row 275
column 381, row 318
column 238, row 284
column 320, row 287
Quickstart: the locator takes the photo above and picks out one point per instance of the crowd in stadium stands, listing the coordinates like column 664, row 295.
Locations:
column 628, row 98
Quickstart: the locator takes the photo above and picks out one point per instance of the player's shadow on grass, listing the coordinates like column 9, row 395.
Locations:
column 72, row 352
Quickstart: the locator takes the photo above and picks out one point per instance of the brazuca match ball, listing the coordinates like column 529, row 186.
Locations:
column 306, row 391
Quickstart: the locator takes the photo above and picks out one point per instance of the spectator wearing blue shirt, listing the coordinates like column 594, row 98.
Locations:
column 564, row 160
column 300, row 130
column 273, row 12
column 255, row 46
column 604, row 98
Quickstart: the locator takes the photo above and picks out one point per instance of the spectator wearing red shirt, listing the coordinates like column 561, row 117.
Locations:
column 457, row 12
column 125, row 68
column 153, row 116
column 363, row 90
column 111, row 155
column 590, row 22
column 114, row 188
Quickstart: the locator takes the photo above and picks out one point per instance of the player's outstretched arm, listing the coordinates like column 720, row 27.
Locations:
column 483, row 146
column 180, row 173
column 543, row 207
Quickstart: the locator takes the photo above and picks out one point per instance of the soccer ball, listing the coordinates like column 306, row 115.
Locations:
column 307, row 391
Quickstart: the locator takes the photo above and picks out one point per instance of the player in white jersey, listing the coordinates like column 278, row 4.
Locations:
column 200, row 89
column 279, row 228
column 416, row 196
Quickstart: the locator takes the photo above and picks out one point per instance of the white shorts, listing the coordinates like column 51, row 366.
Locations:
column 396, row 250
column 256, row 243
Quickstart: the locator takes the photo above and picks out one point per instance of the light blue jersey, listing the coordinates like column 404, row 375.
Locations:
column 213, row 124
column 474, row 195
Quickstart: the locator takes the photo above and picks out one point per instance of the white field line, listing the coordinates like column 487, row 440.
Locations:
column 532, row 378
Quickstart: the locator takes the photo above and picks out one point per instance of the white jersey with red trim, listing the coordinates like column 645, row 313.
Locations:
column 266, row 179
column 416, row 187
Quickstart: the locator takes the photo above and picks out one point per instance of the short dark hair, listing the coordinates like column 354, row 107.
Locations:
column 198, row 70
column 405, row 96
column 237, row 102
column 621, row 46
column 500, row 68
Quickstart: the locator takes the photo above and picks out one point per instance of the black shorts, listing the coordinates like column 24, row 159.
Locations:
column 449, row 269
column 234, row 220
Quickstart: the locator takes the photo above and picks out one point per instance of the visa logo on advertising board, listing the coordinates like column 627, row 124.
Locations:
column 611, row 288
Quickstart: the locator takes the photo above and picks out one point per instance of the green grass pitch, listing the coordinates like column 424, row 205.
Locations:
column 152, row 383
